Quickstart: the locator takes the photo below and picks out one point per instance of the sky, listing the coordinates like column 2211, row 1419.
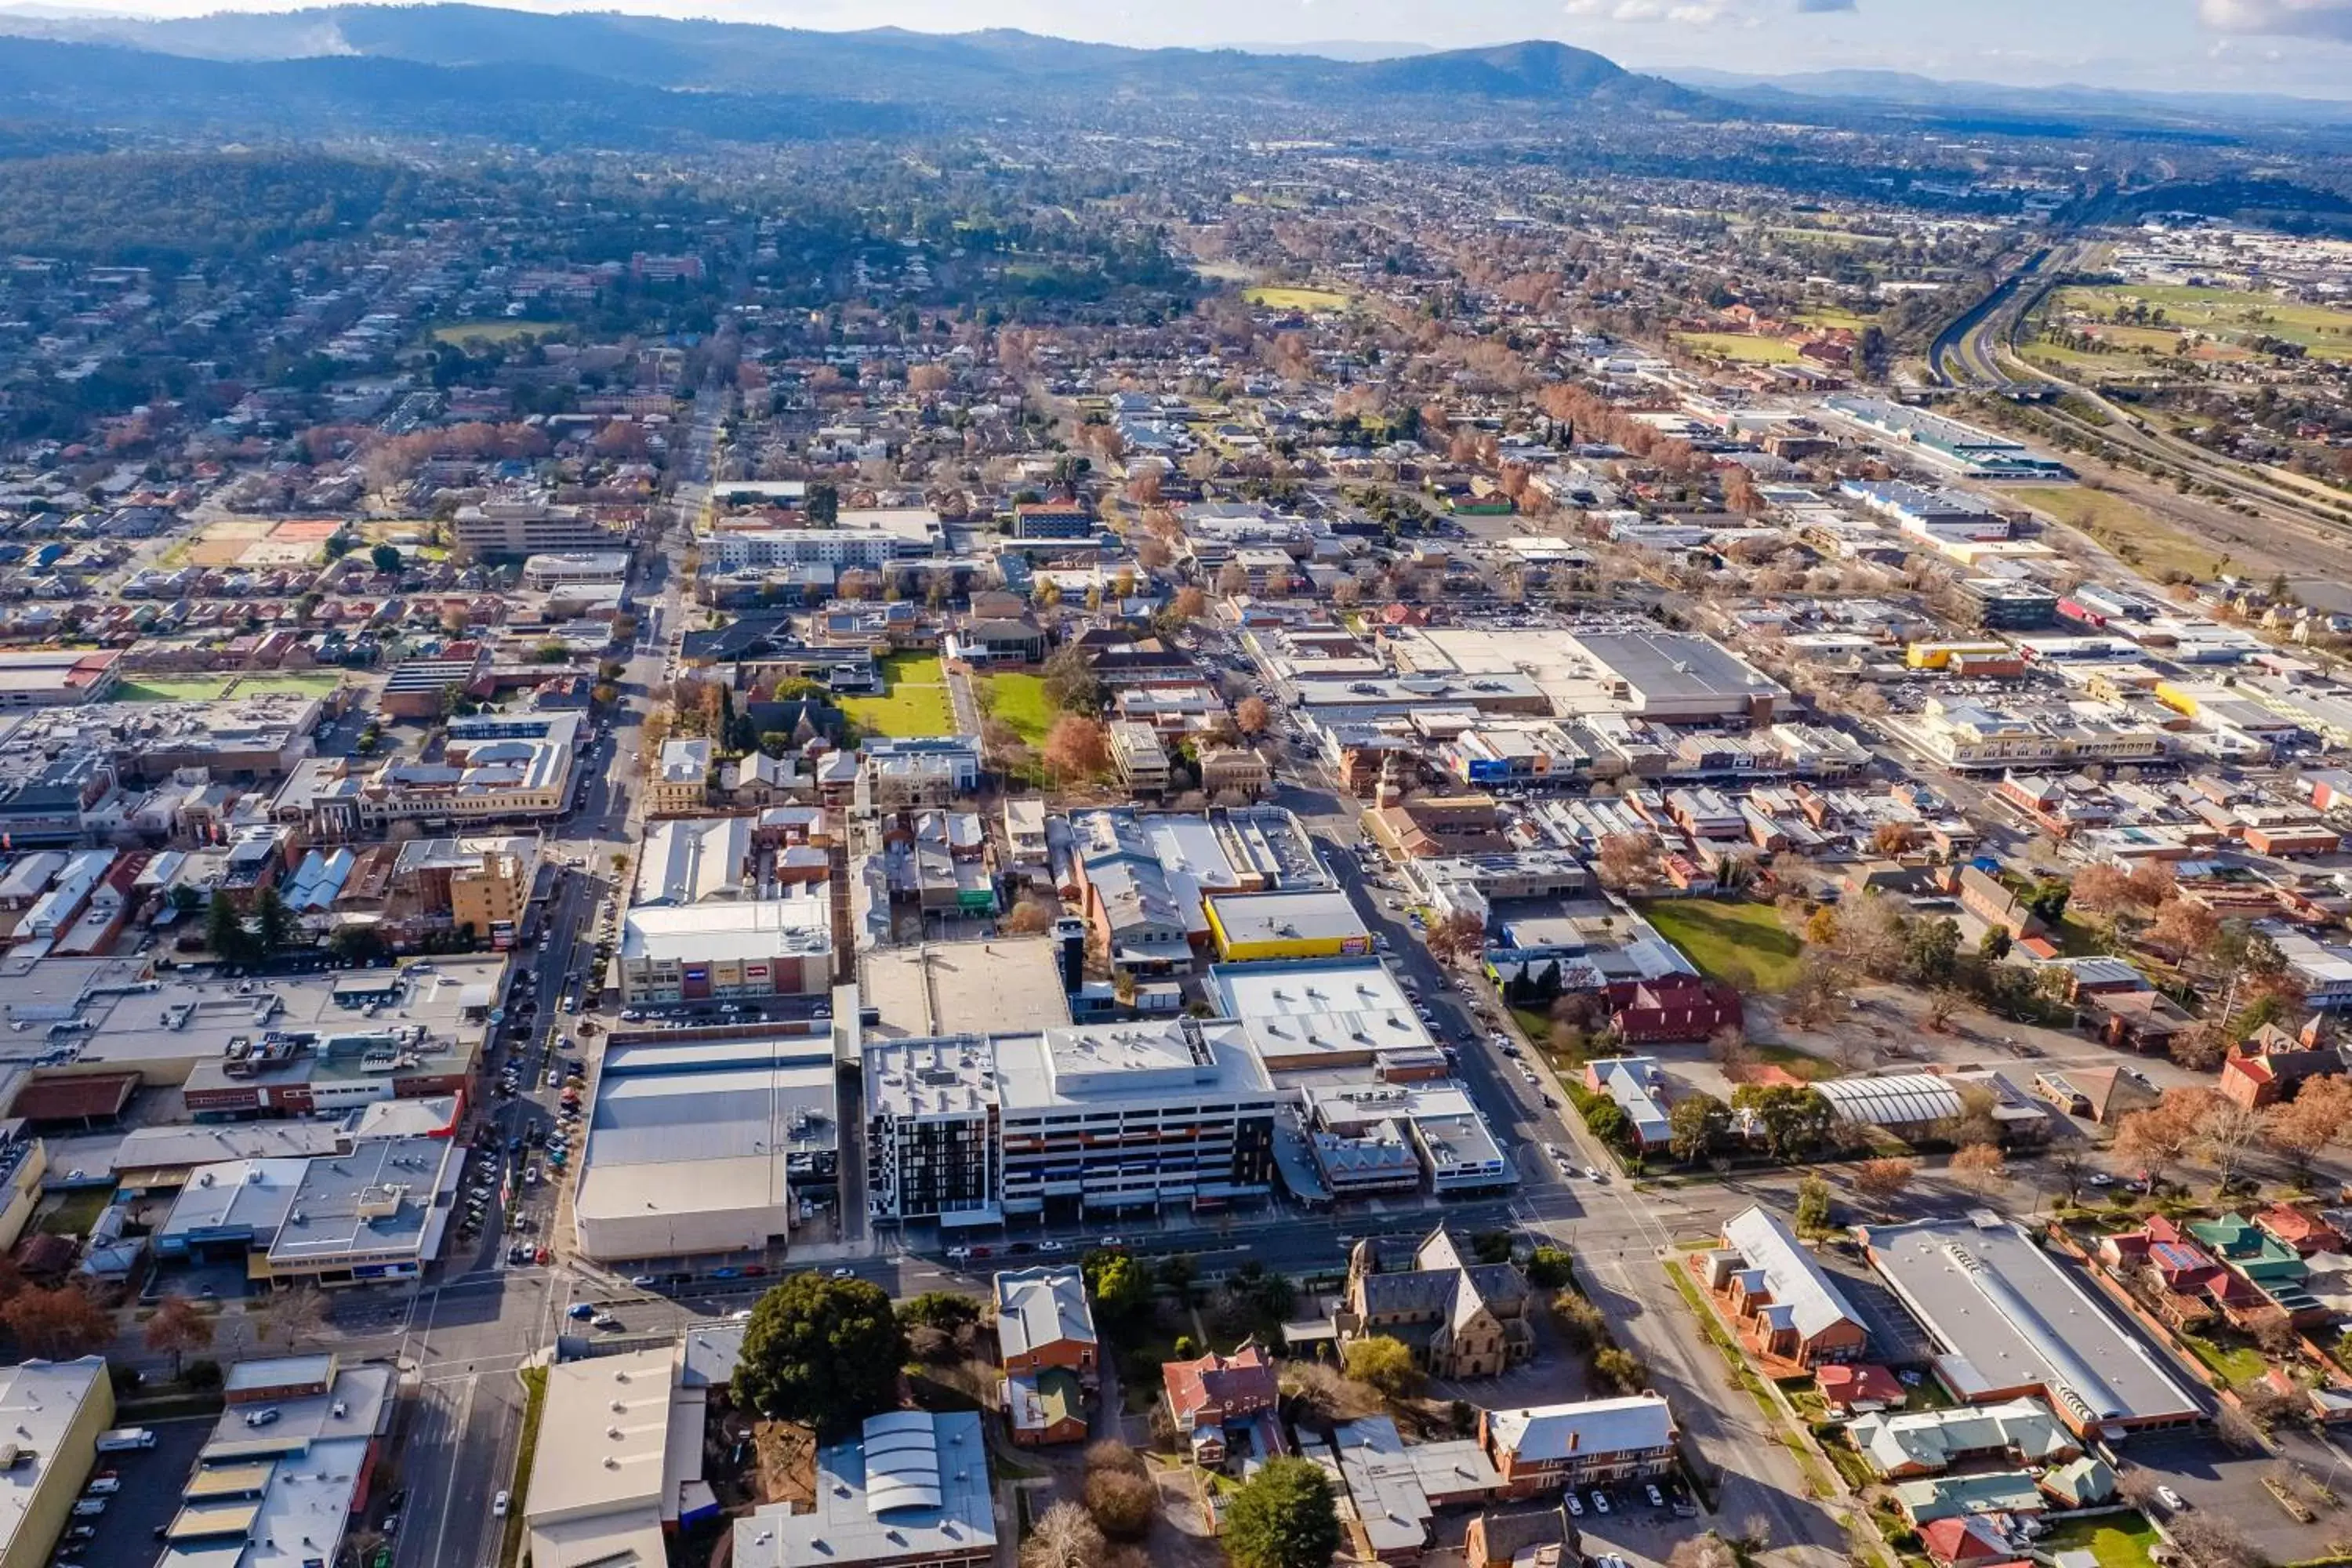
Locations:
column 2300, row 47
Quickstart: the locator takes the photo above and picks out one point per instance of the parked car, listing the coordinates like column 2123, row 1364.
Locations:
column 498, row 1505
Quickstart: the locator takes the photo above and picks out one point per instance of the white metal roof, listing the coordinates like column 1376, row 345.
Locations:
column 902, row 1462
column 1896, row 1100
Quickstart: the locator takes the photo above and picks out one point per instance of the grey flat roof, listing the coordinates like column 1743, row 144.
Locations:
column 2007, row 1315
column 933, row 1469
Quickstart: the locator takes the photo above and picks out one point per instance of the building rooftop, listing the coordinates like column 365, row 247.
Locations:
column 40, row 1402
column 1310, row 915
column 799, row 922
column 1303, row 1014
column 1004, row 985
column 692, row 860
column 1113, row 1063
column 1796, row 1280
column 1041, row 1306
column 115, row 1011
column 913, row 1486
column 1544, row 1432
column 2006, row 1316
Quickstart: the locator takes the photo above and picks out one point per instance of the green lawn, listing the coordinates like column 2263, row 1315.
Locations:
column 914, row 700
column 2233, row 315
column 1740, row 942
column 74, row 1213
column 2237, row 1364
column 1280, row 299
column 500, row 331
column 1830, row 318
column 206, row 688
column 1742, row 346
column 2117, row 1541
column 1020, row 702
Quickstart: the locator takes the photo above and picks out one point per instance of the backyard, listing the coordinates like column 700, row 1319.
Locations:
column 914, row 700
column 1742, row 944
column 2121, row 1541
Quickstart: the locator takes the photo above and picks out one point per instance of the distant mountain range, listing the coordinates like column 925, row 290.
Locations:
column 1901, row 90
column 502, row 51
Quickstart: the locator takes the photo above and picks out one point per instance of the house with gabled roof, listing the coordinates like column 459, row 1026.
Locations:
column 1784, row 1304
column 1225, row 1405
column 1046, row 1338
column 1545, row 1448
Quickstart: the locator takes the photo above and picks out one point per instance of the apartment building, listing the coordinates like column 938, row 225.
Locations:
column 1597, row 1442
column 1173, row 1113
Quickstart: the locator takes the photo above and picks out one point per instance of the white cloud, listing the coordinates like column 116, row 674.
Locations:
column 1697, row 13
column 2302, row 19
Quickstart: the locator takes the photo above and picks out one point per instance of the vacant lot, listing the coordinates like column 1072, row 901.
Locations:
column 914, row 700
column 1276, row 297
column 2136, row 535
column 1743, row 944
column 1742, row 346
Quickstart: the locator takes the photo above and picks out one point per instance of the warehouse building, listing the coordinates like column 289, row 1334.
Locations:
column 53, row 1412
column 1311, row 924
column 753, row 947
column 2008, row 1321
column 695, row 1148
column 1336, row 1012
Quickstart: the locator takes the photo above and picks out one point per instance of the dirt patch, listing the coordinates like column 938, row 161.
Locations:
column 786, row 1453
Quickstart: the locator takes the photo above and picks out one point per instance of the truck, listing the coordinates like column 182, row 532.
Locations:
column 122, row 1438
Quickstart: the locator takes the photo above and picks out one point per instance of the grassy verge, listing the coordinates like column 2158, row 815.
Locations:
column 534, row 1380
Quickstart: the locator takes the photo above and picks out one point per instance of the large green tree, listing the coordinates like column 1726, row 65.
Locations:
column 1284, row 1518
column 826, row 1352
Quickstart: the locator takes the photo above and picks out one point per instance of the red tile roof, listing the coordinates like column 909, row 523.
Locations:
column 1240, row 1382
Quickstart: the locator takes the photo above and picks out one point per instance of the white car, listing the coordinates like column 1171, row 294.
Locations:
column 1600, row 1501
column 2170, row 1499
column 1575, row 1506
column 499, row 1506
